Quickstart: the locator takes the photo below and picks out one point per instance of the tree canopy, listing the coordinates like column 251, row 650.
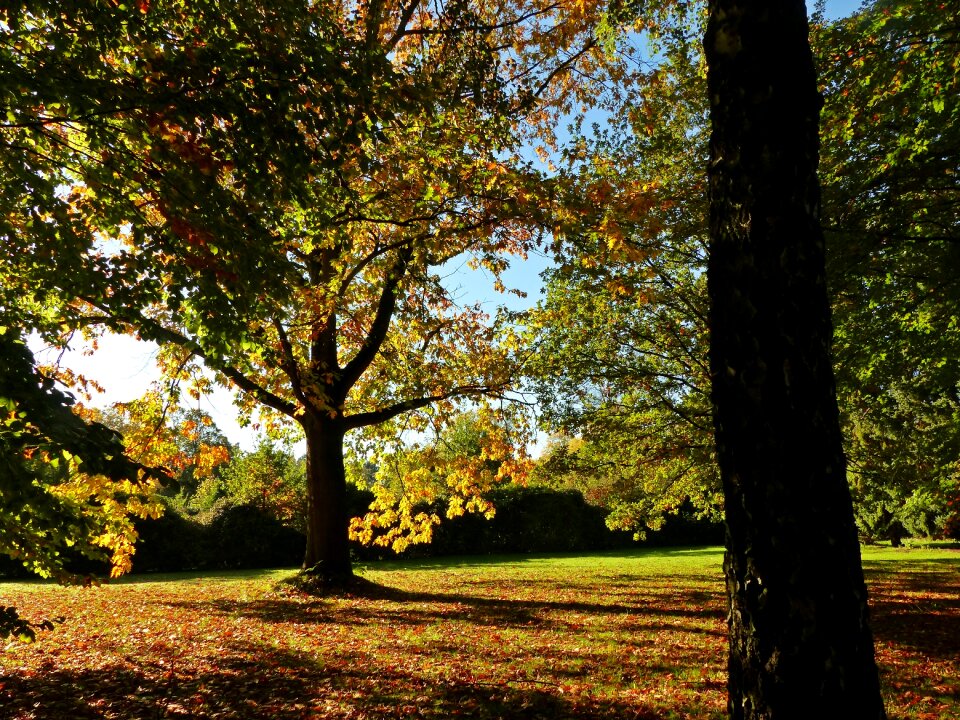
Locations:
column 892, row 295
column 277, row 196
column 621, row 334
column 890, row 149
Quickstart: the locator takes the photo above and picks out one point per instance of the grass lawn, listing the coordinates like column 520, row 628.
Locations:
column 633, row 635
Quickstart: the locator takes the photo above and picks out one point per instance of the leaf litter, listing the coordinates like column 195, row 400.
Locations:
column 636, row 635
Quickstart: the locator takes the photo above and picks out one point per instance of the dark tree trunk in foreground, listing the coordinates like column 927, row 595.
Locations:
column 328, row 545
column 800, row 643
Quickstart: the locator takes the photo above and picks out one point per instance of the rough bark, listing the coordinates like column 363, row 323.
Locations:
column 328, row 547
column 800, row 643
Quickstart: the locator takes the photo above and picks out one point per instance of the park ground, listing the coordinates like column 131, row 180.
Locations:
column 637, row 635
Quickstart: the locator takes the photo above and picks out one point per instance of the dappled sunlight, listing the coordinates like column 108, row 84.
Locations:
column 493, row 641
column 619, row 637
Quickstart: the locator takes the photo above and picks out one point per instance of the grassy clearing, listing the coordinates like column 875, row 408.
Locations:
column 634, row 635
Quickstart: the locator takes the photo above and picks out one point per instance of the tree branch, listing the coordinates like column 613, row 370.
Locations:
column 289, row 362
column 152, row 330
column 375, row 417
column 380, row 325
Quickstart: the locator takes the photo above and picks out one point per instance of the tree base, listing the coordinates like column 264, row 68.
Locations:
column 317, row 583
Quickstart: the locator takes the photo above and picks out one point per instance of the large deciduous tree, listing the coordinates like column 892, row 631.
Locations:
column 800, row 641
column 279, row 196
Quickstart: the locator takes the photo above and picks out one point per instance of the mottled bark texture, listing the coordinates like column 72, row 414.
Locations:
column 800, row 643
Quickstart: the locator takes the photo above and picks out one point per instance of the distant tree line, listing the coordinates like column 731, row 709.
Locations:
column 248, row 535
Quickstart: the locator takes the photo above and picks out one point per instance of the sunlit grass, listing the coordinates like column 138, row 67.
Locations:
column 623, row 635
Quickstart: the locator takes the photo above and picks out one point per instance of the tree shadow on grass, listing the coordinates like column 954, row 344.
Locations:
column 196, row 576
column 918, row 610
column 405, row 608
column 254, row 681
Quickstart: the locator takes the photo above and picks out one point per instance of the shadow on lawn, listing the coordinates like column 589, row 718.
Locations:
column 258, row 681
column 402, row 607
column 918, row 610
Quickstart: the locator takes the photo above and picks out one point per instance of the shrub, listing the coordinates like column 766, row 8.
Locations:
column 246, row 536
column 171, row 543
column 528, row 520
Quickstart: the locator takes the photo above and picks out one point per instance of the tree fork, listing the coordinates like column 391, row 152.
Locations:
column 800, row 643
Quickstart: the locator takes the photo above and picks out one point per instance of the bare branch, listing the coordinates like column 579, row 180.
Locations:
column 150, row 329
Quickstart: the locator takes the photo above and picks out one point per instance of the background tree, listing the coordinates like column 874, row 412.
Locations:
column 891, row 194
column 203, row 446
column 269, row 478
column 620, row 363
column 800, row 642
column 184, row 442
column 891, row 293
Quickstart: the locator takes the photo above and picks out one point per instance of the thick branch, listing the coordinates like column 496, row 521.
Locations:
column 152, row 330
column 289, row 362
column 482, row 28
column 380, row 325
column 375, row 417
column 404, row 21
column 323, row 338
column 161, row 334
column 379, row 251
column 563, row 67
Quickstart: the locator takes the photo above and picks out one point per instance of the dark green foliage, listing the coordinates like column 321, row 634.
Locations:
column 237, row 536
column 686, row 527
column 170, row 543
column 952, row 528
column 231, row 535
column 538, row 520
column 358, row 500
column 11, row 569
column 12, row 625
column 244, row 536
column 527, row 520
column 890, row 161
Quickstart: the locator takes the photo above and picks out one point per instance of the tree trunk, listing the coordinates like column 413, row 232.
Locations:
column 800, row 643
column 328, row 545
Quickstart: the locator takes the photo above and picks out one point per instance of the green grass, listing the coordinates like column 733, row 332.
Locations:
column 636, row 634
